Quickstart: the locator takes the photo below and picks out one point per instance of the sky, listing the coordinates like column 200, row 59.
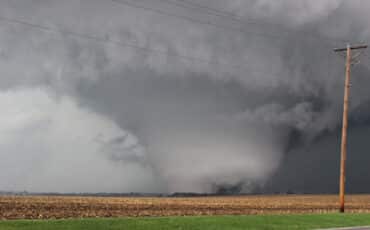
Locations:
column 163, row 96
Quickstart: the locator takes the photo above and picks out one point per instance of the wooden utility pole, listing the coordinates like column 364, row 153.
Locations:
column 347, row 85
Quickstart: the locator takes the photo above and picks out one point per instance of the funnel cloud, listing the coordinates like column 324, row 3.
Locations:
column 158, row 97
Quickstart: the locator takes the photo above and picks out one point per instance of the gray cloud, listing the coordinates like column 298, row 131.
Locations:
column 246, row 116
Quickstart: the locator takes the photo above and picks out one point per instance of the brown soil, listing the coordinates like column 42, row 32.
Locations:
column 51, row 207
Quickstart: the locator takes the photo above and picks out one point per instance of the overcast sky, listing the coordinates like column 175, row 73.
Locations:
column 180, row 96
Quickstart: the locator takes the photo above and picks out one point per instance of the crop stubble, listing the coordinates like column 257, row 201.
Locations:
column 56, row 207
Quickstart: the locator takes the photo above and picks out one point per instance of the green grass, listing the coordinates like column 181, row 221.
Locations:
column 282, row 222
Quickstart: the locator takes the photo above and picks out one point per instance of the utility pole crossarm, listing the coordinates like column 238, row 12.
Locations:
column 351, row 47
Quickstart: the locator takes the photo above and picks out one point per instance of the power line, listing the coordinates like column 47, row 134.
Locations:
column 200, row 6
column 106, row 40
column 119, row 43
column 210, row 11
column 162, row 12
column 229, row 15
column 368, row 59
column 197, row 6
column 220, row 13
column 366, row 55
column 99, row 39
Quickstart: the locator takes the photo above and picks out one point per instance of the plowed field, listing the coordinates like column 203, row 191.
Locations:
column 46, row 207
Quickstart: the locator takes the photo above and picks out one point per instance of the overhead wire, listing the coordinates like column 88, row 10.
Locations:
column 241, row 29
column 244, row 21
column 106, row 40
column 226, row 15
column 102, row 39
column 233, row 18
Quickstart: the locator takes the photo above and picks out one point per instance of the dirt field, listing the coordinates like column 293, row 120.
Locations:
column 42, row 207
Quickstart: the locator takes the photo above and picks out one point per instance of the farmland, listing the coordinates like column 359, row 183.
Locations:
column 58, row 207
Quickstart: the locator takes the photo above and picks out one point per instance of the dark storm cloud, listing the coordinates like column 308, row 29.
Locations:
column 256, row 103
